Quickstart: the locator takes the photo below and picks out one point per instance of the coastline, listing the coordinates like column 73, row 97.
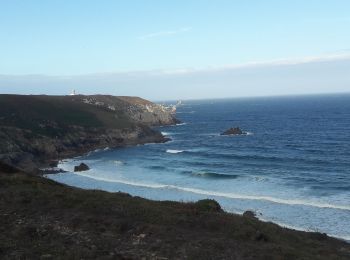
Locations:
column 234, row 196
column 188, row 190
column 49, row 128
column 42, row 218
column 45, row 214
column 50, row 163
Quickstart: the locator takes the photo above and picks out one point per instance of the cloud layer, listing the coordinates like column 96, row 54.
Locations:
column 325, row 74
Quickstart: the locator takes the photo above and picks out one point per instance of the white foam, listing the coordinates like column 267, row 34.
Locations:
column 118, row 163
column 98, row 150
column 144, row 185
column 266, row 198
column 181, row 124
column 51, row 169
column 189, row 112
column 174, row 151
column 224, row 194
column 66, row 165
column 95, row 151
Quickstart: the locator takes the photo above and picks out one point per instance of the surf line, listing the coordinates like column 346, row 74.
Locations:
column 220, row 194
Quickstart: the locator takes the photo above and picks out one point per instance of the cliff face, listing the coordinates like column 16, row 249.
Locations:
column 137, row 109
column 36, row 129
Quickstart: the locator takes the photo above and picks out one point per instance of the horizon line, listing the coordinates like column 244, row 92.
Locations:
column 197, row 99
column 178, row 71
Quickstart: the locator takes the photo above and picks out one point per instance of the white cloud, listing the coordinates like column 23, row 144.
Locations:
column 342, row 55
column 320, row 74
column 165, row 33
column 257, row 64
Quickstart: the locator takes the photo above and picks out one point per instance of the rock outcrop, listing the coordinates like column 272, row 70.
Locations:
column 81, row 168
column 135, row 108
column 234, row 131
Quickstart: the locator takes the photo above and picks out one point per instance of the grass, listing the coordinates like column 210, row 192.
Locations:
column 56, row 113
column 40, row 218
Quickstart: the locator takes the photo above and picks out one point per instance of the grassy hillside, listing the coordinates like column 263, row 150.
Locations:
column 41, row 219
column 35, row 130
column 55, row 112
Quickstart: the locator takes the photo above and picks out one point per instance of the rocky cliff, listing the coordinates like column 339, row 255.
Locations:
column 135, row 108
column 37, row 129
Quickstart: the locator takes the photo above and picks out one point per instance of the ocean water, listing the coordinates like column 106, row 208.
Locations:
column 293, row 167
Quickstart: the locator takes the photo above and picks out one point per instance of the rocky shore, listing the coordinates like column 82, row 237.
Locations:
column 39, row 130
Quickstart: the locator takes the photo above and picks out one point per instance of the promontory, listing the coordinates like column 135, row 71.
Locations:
column 38, row 129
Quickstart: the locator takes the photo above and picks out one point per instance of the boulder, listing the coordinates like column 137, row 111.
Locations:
column 233, row 131
column 82, row 167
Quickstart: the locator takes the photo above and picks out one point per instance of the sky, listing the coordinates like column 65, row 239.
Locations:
column 179, row 49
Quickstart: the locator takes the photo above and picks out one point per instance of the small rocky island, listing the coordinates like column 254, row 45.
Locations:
column 234, row 131
column 81, row 168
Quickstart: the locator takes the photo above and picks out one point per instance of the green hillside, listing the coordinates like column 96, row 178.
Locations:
column 50, row 115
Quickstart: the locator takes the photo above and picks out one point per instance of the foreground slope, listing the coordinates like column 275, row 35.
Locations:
column 41, row 219
column 35, row 129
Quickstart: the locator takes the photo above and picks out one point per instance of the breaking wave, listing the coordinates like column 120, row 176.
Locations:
column 221, row 194
column 174, row 151
column 118, row 163
column 213, row 175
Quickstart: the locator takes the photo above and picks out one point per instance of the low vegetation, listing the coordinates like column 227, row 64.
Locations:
column 52, row 115
column 41, row 219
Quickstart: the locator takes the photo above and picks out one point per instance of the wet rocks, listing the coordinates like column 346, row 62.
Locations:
column 233, row 131
column 81, row 167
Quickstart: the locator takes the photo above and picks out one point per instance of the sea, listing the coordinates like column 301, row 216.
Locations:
column 292, row 167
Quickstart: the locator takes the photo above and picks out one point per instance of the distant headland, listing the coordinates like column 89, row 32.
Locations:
column 37, row 129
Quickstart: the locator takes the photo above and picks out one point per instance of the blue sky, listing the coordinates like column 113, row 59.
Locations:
column 70, row 40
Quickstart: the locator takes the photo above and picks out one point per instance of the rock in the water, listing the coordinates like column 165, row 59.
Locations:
column 233, row 131
column 82, row 167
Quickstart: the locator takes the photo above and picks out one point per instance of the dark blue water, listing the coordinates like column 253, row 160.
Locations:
column 292, row 168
